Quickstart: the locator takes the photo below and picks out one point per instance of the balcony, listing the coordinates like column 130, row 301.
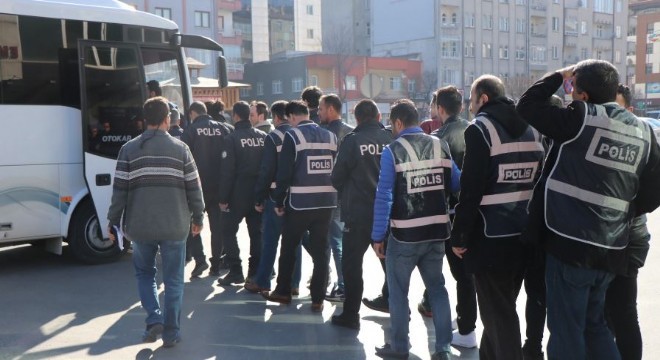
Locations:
column 538, row 6
column 570, row 41
column 230, row 37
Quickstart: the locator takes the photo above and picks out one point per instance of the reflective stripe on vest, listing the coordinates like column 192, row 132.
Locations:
column 278, row 147
column 515, row 163
column 311, row 187
column 424, row 182
column 592, row 206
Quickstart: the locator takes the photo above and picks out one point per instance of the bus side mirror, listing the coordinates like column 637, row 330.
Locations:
column 222, row 72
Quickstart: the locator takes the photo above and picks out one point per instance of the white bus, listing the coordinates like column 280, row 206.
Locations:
column 73, row 77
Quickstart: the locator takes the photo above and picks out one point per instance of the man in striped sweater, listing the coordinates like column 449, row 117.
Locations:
column 158, row 193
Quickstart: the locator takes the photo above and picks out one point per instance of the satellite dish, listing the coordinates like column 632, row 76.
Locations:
column 371, row 85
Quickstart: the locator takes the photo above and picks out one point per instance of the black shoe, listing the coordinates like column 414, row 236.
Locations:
column 351, row 322
column 224, row 265
column 441, row 356
column 200, row 267
column 152, row 332
column 379, row 303
column 171, row 343
column 232, row 278
column 387, row 352
column 529, row 354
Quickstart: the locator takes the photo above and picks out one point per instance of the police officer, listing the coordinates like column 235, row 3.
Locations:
column 415, row 174
column 304, row 171
column 330, row 119
column 311, row 96
column 241, row 160
column 448, row 104
column 355, row 177
column 601, row 172
column 502, row 160
column 205, row 138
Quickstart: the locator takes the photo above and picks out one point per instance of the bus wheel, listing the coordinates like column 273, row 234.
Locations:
column 85, row 237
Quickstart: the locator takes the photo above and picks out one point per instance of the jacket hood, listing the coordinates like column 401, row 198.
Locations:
column 503, row 110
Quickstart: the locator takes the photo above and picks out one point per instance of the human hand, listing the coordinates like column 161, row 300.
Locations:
column 459, row 251
column 379, row 249
column 259, row 207
column 224, row 207
column 279, row 211
column 111, row 235
column 196, row 229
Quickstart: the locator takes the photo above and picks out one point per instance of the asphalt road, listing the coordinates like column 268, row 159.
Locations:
column 54, row 308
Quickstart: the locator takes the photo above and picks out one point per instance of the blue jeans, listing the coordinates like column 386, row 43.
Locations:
column 401, row 259
column 173, row 254
column 335, row 235
column 270, row 238
column 576, row 314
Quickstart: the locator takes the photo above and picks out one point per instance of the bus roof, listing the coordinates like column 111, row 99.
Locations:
column 108, row 11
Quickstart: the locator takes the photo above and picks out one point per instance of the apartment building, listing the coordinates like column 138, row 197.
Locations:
column 644, row 55
column 517, row 40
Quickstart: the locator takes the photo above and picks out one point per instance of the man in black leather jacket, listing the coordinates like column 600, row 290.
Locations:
column 205, row 137
column 241, row 161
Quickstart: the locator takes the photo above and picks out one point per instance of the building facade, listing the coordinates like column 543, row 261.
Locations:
column 644, row 55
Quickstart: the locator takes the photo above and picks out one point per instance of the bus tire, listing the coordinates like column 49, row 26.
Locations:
column 85, row 237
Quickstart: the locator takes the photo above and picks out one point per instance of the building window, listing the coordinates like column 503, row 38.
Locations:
column 600, row 30
column 443, row 19
column 202, row 18
column 469, row 20
column 454, row 18
column 296, row 85
column 488, row 21
column 310, row 33
column 395, row 83
column 504, row 24
column 520, row 2
column 618, row 6
column 649, row 49
column 469, row 77
column 449, row 49
column 604, row 6
column 537, row 54
column 649, row 28
column 617, row 56
column 486, row 50
column 260, row 88
column 583, row 3
column 584, row 52
column 649, row 68
column 314, row 80
column 351, row 82
column 163, row 12
column 504, row 52
column 583, row 27
column 520, row 53
column 617, row 31
column 555, row 23
column 277, row 87
column 469, row 49
column 310, row 9
column 521, row 26
column 555, row 52
column 449, row 76
column 244, row 92
column 412, row 85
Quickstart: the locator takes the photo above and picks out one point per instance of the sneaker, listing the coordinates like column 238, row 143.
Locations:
column 466, row 341
column 171, row 343
column 351, row 322
column 379, row 303
column 214, row 270
column 231, row 278
column 200, row 267
column 335, row 295
column 152, row 332
column 424, row 309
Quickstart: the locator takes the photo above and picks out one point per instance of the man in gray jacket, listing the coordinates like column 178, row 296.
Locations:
column 158, row 193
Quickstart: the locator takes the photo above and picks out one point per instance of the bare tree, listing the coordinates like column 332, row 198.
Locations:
column 429, row 82
column 517, row 85
column 338, row 41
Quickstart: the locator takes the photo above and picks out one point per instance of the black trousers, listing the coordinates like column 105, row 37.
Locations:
column 230, row 223
column 356, row 241
column 497, row 292
column 535, row 307
column 215, row 225
column 621, row 313
column 296, row 222
column 194, row 247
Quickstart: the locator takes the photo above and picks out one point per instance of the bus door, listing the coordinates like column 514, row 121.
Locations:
column 112, row 94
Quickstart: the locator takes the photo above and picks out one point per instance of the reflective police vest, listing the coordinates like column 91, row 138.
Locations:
column 596, row 176
column 311, row 187
column 514, row 163
column 419, row 208
column 277, row 136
